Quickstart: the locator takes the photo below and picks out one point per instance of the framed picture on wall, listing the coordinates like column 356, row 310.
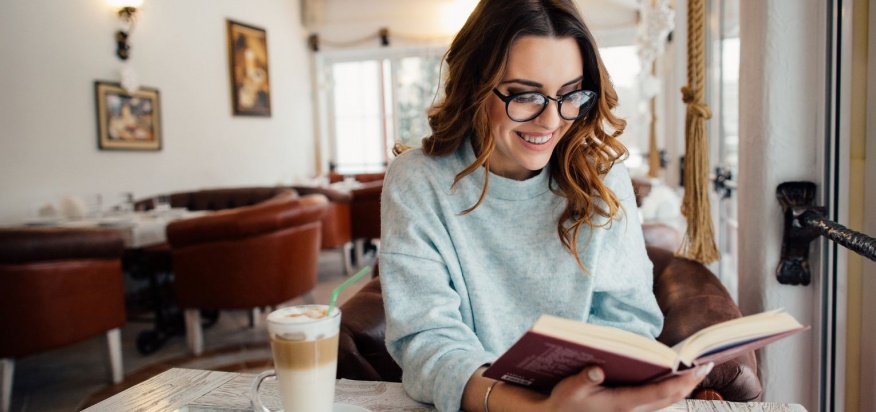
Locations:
column 248, row 56
column 127, row 121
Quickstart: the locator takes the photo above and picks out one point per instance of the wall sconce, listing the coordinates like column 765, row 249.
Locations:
column 127, row 10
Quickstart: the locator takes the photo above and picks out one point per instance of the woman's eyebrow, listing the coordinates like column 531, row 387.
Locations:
column 531, row 83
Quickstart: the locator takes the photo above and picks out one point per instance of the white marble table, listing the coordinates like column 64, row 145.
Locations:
column 192, row 390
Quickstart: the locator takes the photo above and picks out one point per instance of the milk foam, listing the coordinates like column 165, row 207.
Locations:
column 303, row 322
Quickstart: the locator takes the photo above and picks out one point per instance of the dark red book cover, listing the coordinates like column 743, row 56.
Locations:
column 539, row 362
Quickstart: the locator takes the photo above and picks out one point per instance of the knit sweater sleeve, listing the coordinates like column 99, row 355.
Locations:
column 623, row 294
column 426, row 334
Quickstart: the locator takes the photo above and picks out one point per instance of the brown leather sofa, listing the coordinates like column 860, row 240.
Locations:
column 360, row 177
column 690, row 296
column 246, row 257
column 58, row 286
column 215, row 199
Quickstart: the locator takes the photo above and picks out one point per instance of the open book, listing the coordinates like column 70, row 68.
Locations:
column 554, row 348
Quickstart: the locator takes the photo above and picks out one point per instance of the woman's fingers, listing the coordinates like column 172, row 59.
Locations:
column 584, row 391
column 664, row 393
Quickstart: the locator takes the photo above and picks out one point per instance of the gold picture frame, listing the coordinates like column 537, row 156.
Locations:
column 127, row 121
column 248, row 57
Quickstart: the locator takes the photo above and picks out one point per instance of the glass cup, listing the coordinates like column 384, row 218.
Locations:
column 304, row 343
column 124, row 203
column 162, row 203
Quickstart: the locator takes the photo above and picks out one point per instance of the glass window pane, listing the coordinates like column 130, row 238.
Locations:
column 624, row 67
column 417, row 82
column 358, row 115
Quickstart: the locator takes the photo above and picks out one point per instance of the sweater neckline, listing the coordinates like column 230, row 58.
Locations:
column 502, row 187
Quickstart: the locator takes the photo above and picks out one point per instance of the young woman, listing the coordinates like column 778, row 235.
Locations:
column 515, row 206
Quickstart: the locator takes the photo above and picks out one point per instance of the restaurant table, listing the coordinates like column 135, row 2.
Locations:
column 138, row 229
column 192, row 390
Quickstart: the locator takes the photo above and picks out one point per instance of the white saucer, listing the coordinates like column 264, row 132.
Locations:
column 345, row 407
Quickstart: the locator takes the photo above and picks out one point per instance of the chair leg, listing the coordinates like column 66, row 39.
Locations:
column 255, row 317
column 114, row 343
column 7, row 365
column 346, row 248
column 194, row 334
column 360, row 251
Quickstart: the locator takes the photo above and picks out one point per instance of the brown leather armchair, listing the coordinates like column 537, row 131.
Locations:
column 58, row 286
column 353, row 216
column 246, row 257
column 365, row 215
column 690, row 296
column 336, row 225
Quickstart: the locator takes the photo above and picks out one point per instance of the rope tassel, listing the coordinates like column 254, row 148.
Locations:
column 699, row 242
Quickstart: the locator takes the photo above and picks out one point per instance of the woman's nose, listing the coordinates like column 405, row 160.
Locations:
column 550, row 117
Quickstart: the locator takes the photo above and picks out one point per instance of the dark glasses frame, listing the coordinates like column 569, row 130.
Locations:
column 583, row 110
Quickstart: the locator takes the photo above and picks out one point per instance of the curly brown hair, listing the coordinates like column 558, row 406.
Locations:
column 476, row 62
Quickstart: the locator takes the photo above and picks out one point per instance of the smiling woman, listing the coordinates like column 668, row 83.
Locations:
column 517, row 205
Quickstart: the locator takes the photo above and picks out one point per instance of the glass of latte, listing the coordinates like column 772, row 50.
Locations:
column 304, row 343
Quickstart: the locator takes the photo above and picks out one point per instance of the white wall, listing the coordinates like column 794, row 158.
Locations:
column 781, row 126
column 53, row 51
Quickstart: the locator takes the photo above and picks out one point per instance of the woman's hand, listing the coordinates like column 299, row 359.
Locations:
column 583, row 392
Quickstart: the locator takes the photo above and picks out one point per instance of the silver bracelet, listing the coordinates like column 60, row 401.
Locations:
column 487, row 396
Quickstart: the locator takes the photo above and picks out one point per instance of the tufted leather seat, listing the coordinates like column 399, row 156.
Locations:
column 690, row 296
column 246, row 257
column 58, row 286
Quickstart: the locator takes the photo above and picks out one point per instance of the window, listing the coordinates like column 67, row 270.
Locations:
column 624, row 67
column 376, row 99
column 725, row 128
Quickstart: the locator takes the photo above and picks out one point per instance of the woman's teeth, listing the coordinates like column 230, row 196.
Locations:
column 535, row 139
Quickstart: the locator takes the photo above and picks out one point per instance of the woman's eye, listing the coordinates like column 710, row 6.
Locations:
column 531, row 98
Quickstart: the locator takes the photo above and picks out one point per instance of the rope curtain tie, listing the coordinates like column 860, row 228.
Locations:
column 699, row 242
column 697, row 108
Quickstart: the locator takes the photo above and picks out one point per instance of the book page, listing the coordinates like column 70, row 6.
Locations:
column 734, row 332
column 607, row 338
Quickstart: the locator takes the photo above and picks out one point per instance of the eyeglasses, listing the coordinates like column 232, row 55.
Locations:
column 523, row 107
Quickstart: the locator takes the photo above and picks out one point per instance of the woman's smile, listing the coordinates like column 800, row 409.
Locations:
column 537, row 139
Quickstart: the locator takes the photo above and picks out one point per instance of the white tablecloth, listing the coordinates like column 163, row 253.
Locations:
column 138, row 229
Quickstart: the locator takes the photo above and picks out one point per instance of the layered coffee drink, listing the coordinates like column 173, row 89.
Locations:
column 304, row 342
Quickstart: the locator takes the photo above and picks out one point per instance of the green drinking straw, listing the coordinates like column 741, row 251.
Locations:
column 344, row 285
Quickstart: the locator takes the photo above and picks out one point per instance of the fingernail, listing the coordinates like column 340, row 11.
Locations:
column 595, row 375
column 705, row 369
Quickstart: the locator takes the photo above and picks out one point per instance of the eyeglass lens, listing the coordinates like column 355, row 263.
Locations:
column 526, row 106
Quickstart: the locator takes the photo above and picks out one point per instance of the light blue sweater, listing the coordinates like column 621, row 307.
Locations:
column 460, row 289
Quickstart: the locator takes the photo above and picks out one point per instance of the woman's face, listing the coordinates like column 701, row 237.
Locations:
column 552, row 66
